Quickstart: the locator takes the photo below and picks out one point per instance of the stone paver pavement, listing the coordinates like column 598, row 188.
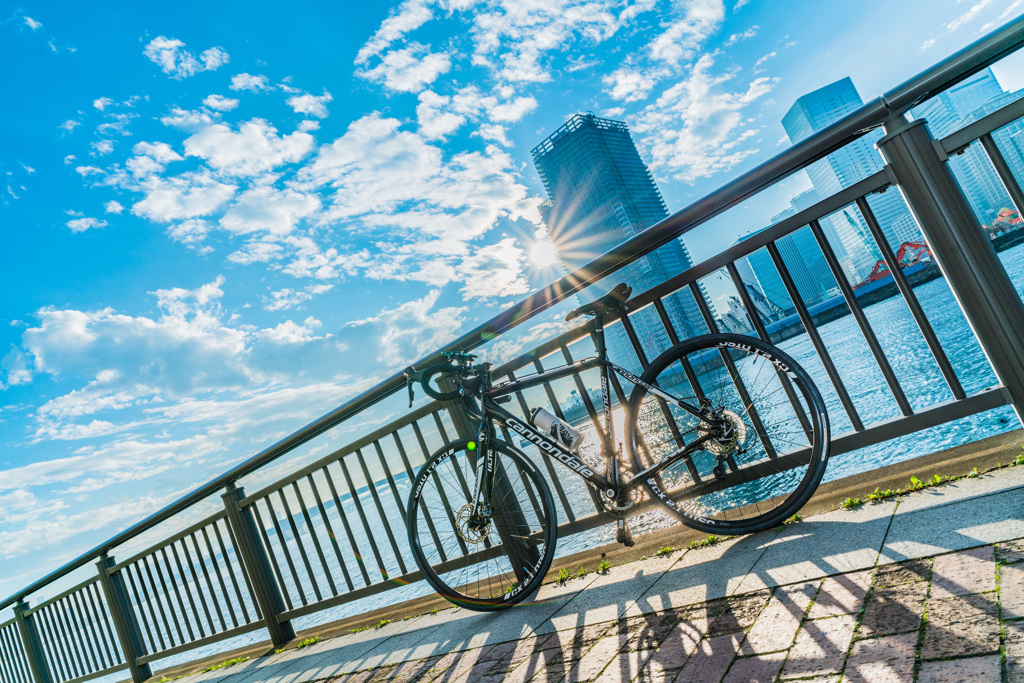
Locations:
column 738, row 612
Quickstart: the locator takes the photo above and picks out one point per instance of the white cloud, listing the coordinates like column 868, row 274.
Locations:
column 434, row 122
column 32, row 23
column 694, row 129
column 311, row 104
column 744, row 35
column 250, row 82
column 188, row 119
column 220, row 103
column 686, row 35
column 113, row 207
column 413, row 329
column 631, row 84
column 409, row 16
column 83, row 224
column 290, row 332
column 102, row 103
column 289, row 298
column 493, row 271
column 173, row 60
column 739, row 4
column 1006, row 14
column 69, row 125
column 69, row 159
column 253, row 149
column 764, row 59
column 389, row 178
column 189, row 195
column 409, row 69
column 266, row 208
column 104, row 146
column 968, row 16
column 158, row 151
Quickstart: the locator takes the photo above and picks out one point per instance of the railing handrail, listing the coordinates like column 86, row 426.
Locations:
column 952, row 70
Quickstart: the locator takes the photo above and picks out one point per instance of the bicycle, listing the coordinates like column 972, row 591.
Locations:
column 722, row 459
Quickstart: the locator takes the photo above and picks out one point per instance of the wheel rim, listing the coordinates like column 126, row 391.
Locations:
column 754, row 472
column 475, row 565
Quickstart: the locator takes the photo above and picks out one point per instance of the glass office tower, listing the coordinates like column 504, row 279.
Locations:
column 601, row 193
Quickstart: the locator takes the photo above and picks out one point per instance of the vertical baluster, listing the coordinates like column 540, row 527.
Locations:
column 129, row 574
column 87, row 630
column 104, row 625
column 362, row 517
column 314, row 537
column 344, row 523
column 862, row 320
column 297, row 537
column 229, row 568
column 423, row 506
column 188, row 593
column 380, row 511
column 272, row 513
column 157, row 598
column 330, row 530
column 240, row 567
column 167, row 597
column 220, row 578
column 257, row 518
column 209, row 583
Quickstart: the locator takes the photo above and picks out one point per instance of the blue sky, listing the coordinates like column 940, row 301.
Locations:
column 221, row 220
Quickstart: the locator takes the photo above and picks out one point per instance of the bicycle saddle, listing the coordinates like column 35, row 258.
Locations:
column 610, row 302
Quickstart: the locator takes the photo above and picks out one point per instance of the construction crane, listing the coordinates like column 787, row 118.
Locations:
column 910, row 253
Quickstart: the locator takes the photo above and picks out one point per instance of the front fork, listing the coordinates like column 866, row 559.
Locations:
column 480, row 515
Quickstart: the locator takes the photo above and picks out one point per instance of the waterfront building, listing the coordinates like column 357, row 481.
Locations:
column 961, row 105
column 847, row 231
column 601, row 193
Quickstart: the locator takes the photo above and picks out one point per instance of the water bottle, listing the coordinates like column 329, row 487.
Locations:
column 558, row 430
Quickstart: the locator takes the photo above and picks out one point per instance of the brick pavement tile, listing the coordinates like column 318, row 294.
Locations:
column 710, row 660
column 893, row 610
column 882, row 660
column 679, row 644
column 414, row 669
column 774, row 628
column 799, row 593
column 903, row 572
column 738, row 615
column 598, row 657
column 1011, row 552
column 358, row 677
column 1014, row 644
column 1011, row 591
column 531, row 666
column 820, row 647
column 758, row 669
column 500, row 651
column 965, row 625
column 625, row 667
column 972, row 670
column 843, row 594
column 964, row 572
column 647, row 630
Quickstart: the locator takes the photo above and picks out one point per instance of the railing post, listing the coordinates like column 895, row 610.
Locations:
column 125, row 623
column 512, row 524
column 961, row 248
column 30, row 641
column 257, row 566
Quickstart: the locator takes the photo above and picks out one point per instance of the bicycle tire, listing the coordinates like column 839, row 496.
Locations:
column 441, row 540
column 760, row 484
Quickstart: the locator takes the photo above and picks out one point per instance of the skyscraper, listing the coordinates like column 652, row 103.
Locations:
column 962, row 104
column 601, row 193
column 857, row 160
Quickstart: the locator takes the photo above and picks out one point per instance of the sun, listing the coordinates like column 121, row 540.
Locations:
column 543, row 253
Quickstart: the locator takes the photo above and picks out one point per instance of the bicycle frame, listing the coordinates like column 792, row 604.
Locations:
column 612, row 488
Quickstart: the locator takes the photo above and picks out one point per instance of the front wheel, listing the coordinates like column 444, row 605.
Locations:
column 765, row 428
column 488, row 561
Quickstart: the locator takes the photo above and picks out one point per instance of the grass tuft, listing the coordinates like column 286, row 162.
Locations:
column 307, row 642
column 705, row 542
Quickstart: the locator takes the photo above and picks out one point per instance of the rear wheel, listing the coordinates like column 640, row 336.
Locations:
column 481, row 564
column 767, row 427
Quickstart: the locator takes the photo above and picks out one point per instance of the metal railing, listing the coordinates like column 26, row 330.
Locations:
column 334, row 531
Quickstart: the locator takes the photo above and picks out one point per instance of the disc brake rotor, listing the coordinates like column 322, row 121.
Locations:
column 466, row 531
column 736, row 438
